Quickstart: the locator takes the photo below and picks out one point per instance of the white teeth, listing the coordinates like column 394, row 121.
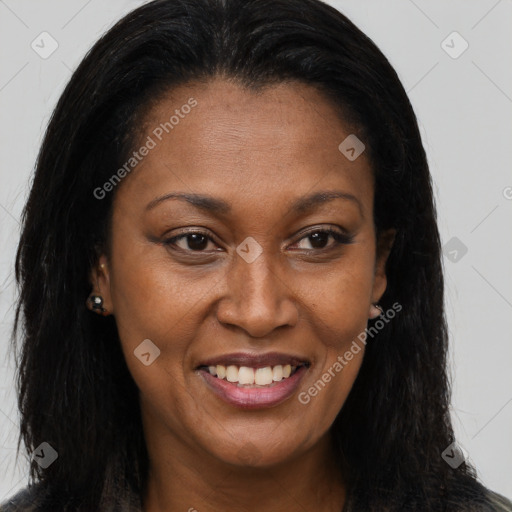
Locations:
column 263, row 376
column 247, row 376
column 219, row 370
column 277, row 373
column 232, row 374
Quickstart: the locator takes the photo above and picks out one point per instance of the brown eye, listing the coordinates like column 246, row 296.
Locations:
column 196, row 242
column 319, row 239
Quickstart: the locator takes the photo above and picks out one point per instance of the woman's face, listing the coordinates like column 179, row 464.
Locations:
column 242, row 268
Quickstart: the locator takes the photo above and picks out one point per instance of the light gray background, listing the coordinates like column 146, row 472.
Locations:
column 464, row 107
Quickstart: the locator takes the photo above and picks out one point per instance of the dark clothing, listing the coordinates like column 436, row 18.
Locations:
column 32, row 499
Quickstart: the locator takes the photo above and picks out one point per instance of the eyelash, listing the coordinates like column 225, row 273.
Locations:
column 339, row 238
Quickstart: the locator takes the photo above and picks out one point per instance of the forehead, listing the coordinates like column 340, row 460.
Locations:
column 219, row 137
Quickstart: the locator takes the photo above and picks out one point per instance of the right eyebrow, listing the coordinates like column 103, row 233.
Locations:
column 203, row 202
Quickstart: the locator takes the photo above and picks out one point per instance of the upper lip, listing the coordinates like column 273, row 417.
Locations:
column 255, row 360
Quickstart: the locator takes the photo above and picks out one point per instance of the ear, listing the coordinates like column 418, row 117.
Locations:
column 384, row 245
column 100, row 281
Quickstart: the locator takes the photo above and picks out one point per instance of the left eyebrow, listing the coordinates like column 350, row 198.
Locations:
column 310, row 202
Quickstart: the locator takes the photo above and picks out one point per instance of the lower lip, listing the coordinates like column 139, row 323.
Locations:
column 254, row 398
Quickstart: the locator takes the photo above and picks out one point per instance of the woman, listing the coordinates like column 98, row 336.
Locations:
column 231, row 286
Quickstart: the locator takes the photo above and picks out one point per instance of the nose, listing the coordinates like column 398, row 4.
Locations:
column 258, row 298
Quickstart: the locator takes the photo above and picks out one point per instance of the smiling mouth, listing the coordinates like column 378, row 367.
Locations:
column 248, row 377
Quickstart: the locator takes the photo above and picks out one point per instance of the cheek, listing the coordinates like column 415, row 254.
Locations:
column 340, row 305
column 150, row 304
column 152, row 297
column 323, row 396
column 340, row 316
column 151, row 317
column 325, row 391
